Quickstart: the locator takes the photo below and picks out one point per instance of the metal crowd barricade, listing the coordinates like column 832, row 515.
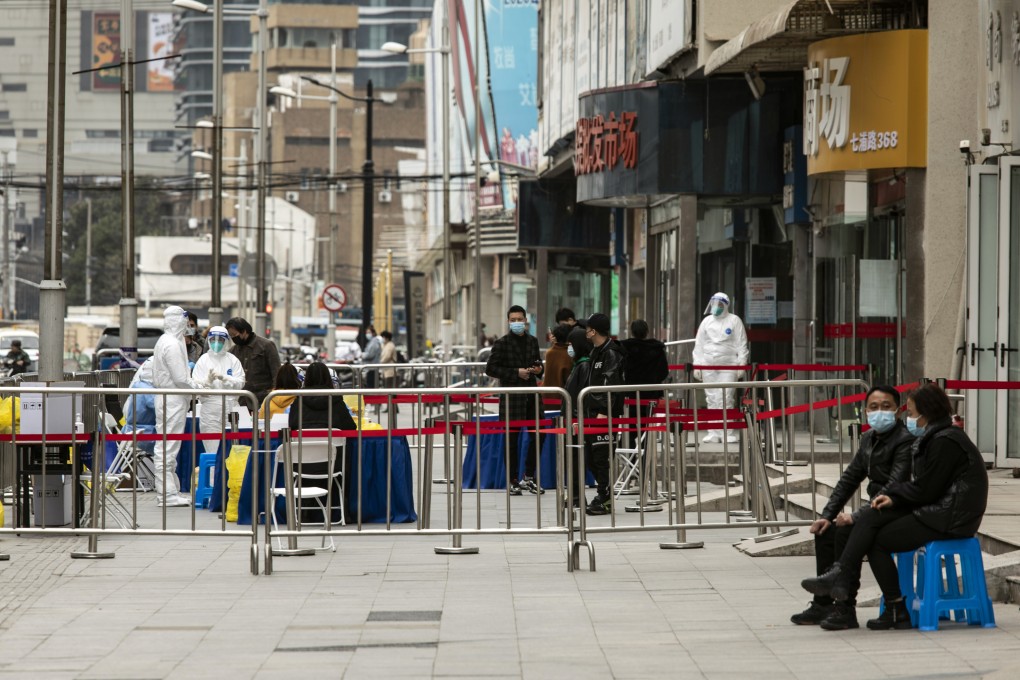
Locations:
column 62, row 452
column 453, row 430
column 668, row 428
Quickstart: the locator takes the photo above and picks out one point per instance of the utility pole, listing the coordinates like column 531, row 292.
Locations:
column 7, row 283
column 331, row 187
column 367, row 216
column 52, row 291
column 216, row 306
column 128, row 303
column 88, row 255
column 262, row 158
column 446, row 327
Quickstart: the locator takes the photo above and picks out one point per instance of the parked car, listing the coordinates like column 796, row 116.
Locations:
column 149, row 331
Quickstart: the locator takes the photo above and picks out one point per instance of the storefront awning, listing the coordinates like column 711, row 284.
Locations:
column 778, row 41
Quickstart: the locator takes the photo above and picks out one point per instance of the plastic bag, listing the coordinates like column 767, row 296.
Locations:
column 10, row 407
column 236, row 461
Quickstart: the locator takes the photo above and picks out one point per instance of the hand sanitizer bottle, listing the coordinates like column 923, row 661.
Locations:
column 79, row 426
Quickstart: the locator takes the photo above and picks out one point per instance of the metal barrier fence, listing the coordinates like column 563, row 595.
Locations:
column 655, row 454
column 53, row 473
column 662, row 436
column 433, row 414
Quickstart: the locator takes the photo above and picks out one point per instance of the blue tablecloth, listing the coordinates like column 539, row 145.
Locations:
column 373, row 484
column 493, row 473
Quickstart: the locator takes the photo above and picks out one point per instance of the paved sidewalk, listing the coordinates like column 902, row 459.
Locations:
column 388, row 606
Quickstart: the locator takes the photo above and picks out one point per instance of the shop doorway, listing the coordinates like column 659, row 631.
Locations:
column 993, row 321
column 859, row 296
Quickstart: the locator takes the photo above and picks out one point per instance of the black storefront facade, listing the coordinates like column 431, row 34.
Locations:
column 694, row 174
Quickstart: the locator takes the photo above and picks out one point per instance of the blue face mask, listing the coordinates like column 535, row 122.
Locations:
column 517, row 327
column 717, row 310
column 915, row 429
column 570, row 351
column 881, row 421
column 216, row 345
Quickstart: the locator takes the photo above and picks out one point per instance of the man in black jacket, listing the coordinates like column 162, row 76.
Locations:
column 258, row 356
column 606, row 369
column 644, row 362
column 883, row 457
column 516, row 362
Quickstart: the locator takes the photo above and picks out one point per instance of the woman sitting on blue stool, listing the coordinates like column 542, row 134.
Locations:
column 944, row 499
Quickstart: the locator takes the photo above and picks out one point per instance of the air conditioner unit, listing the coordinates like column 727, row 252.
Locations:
column 293, row 196
column 385, row 196
column 341, row 187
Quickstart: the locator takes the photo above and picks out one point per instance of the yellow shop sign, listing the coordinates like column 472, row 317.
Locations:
column 866, row 102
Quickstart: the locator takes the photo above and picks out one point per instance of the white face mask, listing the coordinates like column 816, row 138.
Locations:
column 570, row 351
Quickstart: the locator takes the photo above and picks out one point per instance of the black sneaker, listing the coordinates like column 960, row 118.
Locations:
column 895, row 617
column 843, row 617
column 529, row 485
column 600, row 506
column 813, row 615
column 515, row 489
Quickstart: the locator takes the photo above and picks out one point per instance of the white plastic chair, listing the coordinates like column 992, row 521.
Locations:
column 309, row 452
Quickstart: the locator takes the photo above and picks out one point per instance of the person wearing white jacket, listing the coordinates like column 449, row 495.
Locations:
column 217, row 369
column 170, row 371
column 721, row 341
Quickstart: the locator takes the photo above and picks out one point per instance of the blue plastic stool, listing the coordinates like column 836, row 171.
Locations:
column 935, row 597
column 204, row 488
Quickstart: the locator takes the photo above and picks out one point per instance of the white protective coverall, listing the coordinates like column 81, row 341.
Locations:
column 721, row 341
column 217, row 369
column 170, row 371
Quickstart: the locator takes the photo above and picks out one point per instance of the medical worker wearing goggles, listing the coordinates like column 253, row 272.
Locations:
column 721, row 341
column 217, row 369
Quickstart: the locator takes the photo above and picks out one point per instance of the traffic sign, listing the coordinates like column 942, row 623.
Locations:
column 334, row 297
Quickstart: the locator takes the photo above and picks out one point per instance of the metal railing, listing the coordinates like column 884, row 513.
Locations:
column 51, row 442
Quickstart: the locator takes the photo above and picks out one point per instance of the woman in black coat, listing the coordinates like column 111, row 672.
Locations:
column 320, row 412
column 945, row 498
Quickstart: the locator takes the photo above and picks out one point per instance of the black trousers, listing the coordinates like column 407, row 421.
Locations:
column 880, row 533
column 596, row 455
column 828, row 547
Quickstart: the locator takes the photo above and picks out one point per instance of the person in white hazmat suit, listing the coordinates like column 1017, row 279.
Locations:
column 721, row 341
column 217, row 369
column 170, row 371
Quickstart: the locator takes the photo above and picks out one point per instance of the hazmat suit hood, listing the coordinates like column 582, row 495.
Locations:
column 719, row 298
column 144, row 372
column 175, row 321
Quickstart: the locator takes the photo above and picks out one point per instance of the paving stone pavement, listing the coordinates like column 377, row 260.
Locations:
column 172, row 607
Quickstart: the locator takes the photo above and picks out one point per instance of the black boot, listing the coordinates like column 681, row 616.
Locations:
column 836, row 583
column 843, row 617
column 895, row 617
column 815, row 613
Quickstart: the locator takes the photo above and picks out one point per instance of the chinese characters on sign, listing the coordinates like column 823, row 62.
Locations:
column 600, row 143
column 105, row 50
column 826, row 104
column 760, row 293
column 873, row 141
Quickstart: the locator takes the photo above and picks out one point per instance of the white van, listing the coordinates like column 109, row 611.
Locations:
column 29, row 343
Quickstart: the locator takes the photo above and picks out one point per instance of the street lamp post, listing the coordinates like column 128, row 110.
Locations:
column 446, row 329
column 368, row 174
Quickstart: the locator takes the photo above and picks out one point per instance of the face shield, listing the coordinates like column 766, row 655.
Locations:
column 217, row 339
column 718, row 304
